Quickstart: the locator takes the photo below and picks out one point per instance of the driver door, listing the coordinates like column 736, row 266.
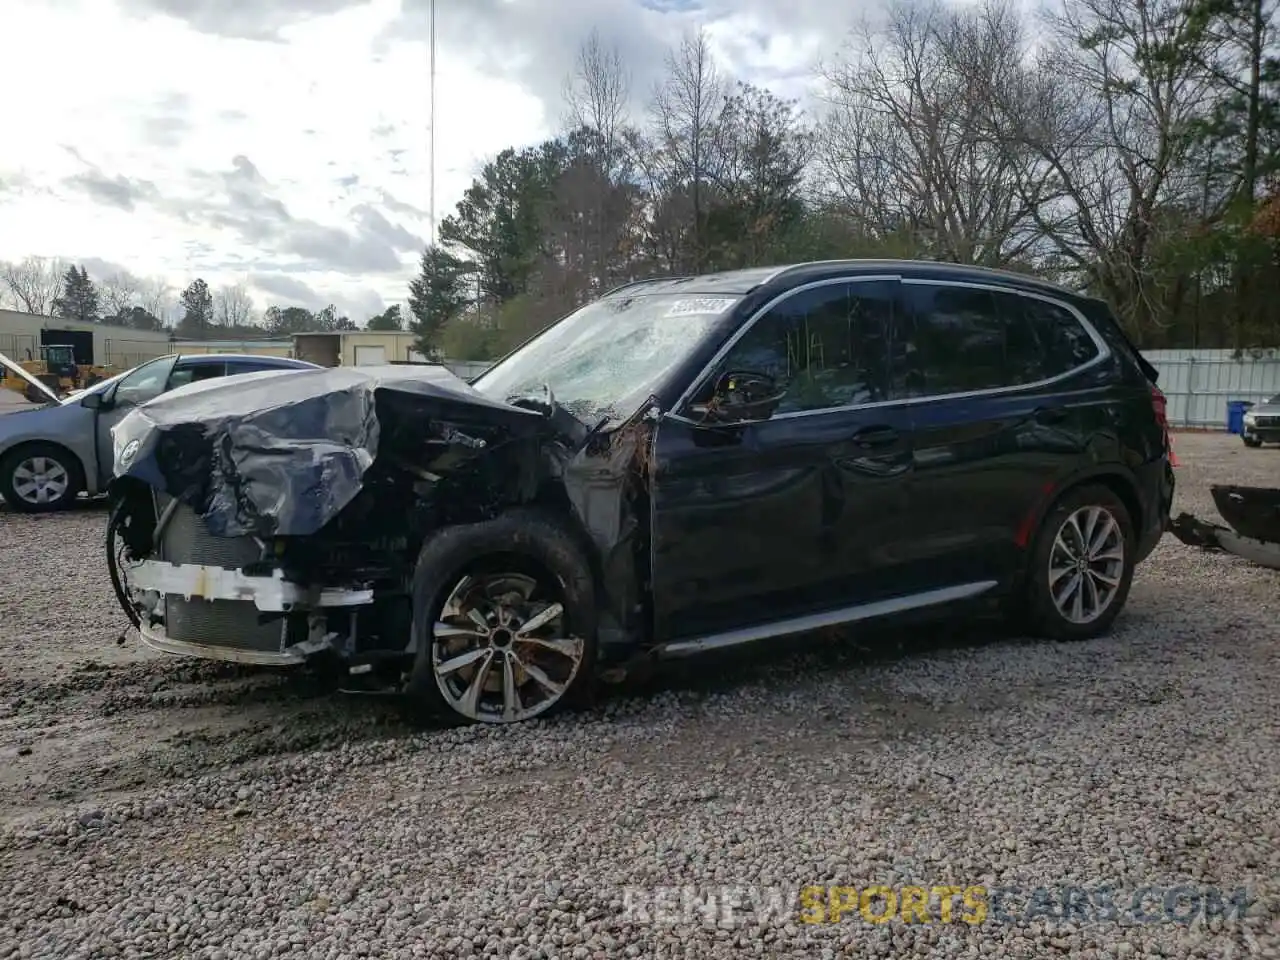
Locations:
column 799, row 513
column 145, row 383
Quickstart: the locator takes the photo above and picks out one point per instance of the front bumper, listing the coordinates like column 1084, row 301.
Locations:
column 1213, row 537
column 194, row 598
column 1261, row 432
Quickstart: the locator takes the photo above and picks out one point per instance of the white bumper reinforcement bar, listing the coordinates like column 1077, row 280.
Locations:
column 272, row 593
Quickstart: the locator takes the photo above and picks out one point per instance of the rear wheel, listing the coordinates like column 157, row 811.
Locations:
column 504, row 620
column 40, row 477
column 1081, row 566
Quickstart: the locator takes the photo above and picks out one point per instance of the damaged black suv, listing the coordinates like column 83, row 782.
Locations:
column 683, row 464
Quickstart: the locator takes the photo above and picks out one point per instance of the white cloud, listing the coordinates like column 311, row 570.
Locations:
column 118, row 150
column 161, row 139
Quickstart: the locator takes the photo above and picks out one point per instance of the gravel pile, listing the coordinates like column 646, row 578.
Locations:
column 160, row 808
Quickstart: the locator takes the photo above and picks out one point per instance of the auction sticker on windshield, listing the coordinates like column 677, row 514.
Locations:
column 700, row 306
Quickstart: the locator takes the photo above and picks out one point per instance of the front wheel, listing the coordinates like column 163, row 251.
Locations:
column 39, row 478
column 1252, row 443
column 1081, row 566
column 504, row 620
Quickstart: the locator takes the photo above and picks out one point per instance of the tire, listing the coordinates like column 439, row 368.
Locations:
column 57, row 463
column 1252, row 443
column 1042, row 616
column 508, row 551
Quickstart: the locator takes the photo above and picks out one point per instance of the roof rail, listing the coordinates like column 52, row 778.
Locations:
column 1028, row 278
column 641, row 283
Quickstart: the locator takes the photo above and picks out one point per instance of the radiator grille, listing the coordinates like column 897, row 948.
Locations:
column 219, row 623
column 187, row 540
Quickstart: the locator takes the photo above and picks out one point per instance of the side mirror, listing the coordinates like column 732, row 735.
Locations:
column 742, row 395
column 91, row 401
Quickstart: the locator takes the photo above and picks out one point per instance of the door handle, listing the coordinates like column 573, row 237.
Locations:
column 1050, row 415
column 870, row 437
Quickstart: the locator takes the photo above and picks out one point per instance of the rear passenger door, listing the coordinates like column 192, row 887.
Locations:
column 1006, row 391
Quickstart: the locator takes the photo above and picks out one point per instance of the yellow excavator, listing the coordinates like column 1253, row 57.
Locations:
column 56, row 369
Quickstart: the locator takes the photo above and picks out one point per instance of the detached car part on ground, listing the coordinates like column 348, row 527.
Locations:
column 656, row 475
column 52, row 453
column 1253, row 515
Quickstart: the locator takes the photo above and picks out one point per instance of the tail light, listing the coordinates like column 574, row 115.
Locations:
column 1161, row 407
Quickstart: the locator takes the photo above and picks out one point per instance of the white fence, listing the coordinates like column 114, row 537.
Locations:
column 1199, row 383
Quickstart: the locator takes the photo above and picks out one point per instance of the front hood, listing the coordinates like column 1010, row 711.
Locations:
column 18, row 371
column 268, row 455
column 1264, row 410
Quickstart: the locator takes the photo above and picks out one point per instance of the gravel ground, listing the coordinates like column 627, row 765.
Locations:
column 161, row 808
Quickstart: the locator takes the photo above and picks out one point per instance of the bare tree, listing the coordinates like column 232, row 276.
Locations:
column 597, row 90
column 34, row 284
column 1110, row 113
column 908, row 147
column 592, row 207
column 117, row 293
column 686, row 108
column 233, row 307
column 158, row 299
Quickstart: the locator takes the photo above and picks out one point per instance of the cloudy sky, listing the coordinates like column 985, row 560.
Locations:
column 283, row 143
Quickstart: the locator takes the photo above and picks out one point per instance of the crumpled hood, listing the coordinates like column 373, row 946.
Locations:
column 282, row 453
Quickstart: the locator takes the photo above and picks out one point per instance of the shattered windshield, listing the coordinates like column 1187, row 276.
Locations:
column 607, row 358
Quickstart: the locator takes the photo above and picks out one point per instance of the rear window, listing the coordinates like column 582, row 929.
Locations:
column 959, row 338
column 1061, row 341
column 1104, row 320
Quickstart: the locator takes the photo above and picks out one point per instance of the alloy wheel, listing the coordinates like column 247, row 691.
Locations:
column 500, row 649
column 40, row 480
column 1086, row 564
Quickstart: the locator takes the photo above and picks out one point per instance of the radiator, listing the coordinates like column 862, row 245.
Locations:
column 217, row 623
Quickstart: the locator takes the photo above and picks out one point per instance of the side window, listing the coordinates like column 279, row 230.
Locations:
column 827, row 346
column 247, row 366
column 962, row 339
column 193, row 373
column 1064, row 342
column 950, row 340
column 144, row 383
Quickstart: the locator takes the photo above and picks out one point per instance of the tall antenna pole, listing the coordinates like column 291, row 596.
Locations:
column 431, row 147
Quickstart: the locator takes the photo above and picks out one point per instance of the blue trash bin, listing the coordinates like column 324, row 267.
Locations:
column 1235, row 415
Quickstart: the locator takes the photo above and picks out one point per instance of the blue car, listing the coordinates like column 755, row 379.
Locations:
column 52, row 453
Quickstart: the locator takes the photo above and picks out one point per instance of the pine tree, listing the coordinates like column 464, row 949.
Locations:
column 79, row 299
column 197, row 311
column 436, row 296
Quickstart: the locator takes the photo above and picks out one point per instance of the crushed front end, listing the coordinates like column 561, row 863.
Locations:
column 278, row 518
column 224, row 598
